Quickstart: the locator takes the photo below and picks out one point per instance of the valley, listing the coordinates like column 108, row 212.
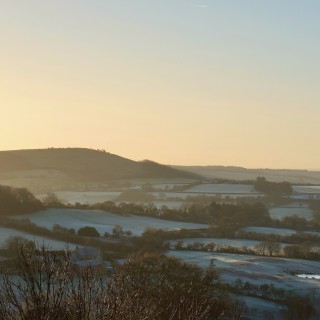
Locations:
column 266, row 247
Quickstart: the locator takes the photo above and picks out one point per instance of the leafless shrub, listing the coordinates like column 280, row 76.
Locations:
column 148, row 287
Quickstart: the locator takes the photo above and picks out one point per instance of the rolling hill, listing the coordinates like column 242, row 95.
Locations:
column 44, row 170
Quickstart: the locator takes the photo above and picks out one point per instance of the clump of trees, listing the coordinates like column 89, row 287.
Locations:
column 170, row 289
column 242, row 214
column 270, row 247
column 51, row 200
column 13, row 244
column 63, row 230
column 15, row 201
column 149, row 286
column 117, row 232
column 274, row 189
column 88, row 232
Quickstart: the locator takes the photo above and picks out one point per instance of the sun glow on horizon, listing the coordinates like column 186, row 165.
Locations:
column 188, row 83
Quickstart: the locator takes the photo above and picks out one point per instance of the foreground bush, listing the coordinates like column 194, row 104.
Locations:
column 152, row 286
column 148, row 286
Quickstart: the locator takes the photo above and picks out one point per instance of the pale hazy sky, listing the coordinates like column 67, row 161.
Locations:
column 230, row 82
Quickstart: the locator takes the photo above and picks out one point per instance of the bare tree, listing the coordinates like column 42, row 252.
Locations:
column 48, row 287
column 148, row 287
column 269, row 246
column 155, row 287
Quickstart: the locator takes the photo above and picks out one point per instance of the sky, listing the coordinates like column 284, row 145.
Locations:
column 188, row 82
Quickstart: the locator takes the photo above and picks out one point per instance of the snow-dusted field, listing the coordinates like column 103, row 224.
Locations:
column 220, row 243
column 281, row 212
column 306, row 189
column 238, row 243
column 257, row 269
column 277, row 231
column 83, row 197
column 104, row 221
column 240, row 195
column 6, row 233
column 262, row 309
column 184, row 195
column 222, row 188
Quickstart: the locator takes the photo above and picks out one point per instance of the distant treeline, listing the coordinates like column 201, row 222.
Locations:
column 15, row 201
column 228, row 216
column 239, row 215
column 18, row 201
column 66, row 235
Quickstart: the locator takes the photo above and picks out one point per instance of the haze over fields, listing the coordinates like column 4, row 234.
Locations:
column 238, row 173
column 43, row 170
column 136, row 131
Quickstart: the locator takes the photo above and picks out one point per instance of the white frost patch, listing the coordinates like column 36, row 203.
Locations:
column 104, row 221
column 309, row 276
column 222, row 188
column 83, row 197
column 238, row 243
column 263, row 230
column 6, row 233
column 281, row 212
column 258, row 270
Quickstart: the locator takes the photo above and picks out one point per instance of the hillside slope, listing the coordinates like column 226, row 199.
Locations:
column 72, row 168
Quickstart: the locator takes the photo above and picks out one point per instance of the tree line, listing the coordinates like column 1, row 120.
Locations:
column 276, row 189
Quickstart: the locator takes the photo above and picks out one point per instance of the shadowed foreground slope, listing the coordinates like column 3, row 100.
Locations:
column 149, row 286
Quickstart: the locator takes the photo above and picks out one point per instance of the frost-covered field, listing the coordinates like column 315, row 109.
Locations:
column 264, row 230
column 222, row 188
column 262, row 309
column 220, row 243
column 305, row 192
column 306, row 189
column 238, row 243
column 278, row 231
column 83, row 197
column 6, row 233
column 257, row 269
column 240, row 195
column 184, row 195
column 281, row 212
column 104, row 221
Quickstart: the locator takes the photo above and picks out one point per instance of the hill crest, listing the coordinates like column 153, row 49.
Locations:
column 75, row 167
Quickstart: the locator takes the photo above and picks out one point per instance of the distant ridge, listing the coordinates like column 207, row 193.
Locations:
column 239, row 173
column 72, row 167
